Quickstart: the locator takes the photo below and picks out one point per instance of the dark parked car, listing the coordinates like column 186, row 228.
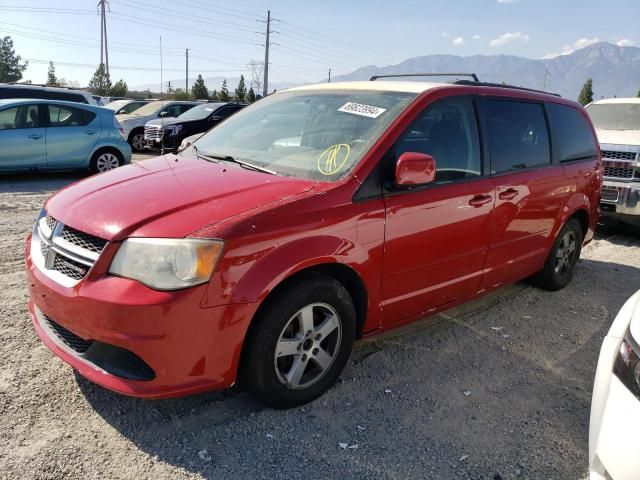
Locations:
column 197, row 120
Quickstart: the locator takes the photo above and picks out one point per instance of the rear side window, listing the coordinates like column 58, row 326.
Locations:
column 518, row 136
column 24, row 116
column 63, row 116
column 572, row 135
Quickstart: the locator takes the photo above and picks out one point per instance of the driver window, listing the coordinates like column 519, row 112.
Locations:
column 447, row 131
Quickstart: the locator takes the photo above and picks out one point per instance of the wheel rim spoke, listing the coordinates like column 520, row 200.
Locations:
column 297, row 371
column 328, row 326
column 306, row 319
column 287, row 347
column 322, row 359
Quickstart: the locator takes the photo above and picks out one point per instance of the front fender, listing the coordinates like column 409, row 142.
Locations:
column 282, row 262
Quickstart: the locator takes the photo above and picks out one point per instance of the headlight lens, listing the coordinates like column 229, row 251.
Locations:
column 167, row 264
column 627, row 364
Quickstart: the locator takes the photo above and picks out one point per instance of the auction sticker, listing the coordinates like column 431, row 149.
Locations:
column 362, row 109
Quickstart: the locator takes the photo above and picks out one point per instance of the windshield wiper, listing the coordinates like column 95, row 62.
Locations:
column 229, row 158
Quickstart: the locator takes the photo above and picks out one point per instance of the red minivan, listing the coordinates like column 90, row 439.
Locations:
column 314, row 217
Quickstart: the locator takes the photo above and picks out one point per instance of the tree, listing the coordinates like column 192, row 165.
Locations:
column 638, row 94
column 251, row 95
column 149, row 94
column 241, row 90
column 10, row 67
column 52, row 80
column 119, row 89
column 214, row 95
column 224, row 92
column 199, row 89
column 180, row 94
column 100, row 83
column 586, row 94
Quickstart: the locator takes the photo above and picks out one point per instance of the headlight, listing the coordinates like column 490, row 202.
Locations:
column 627, row 364
column 167, row 264
column 174, row 130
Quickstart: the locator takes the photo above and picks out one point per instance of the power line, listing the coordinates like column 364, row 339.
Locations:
column 131, row 68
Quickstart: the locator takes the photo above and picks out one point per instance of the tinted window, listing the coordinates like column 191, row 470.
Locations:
column 63, row 116
column 518, row 136
column 24, row 116
column 447, row 131
column 572, row 134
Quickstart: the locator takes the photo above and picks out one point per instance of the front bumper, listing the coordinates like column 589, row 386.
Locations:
column 620, row 197
column 187, row 348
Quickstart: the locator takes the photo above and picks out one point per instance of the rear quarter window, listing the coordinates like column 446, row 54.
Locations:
column 571, row 133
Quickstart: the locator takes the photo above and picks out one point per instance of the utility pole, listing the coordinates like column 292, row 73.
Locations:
column 265, row 83
column 104, row 49
column 186, row 78
column 329, row 76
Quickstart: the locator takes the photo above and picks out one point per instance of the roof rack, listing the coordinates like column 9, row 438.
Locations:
column 501, row 85
column 472, row 75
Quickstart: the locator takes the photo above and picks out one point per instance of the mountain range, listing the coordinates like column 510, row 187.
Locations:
column 615, row 71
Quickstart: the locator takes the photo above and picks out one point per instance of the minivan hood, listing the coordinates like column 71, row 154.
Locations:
column 167, row 196
column 619, row 137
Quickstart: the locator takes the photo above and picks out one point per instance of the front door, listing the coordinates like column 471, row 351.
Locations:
column 71, row 135
column 437, row 236
column 22, row 138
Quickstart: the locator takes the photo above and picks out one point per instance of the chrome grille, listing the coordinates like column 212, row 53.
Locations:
column 51, row 223
column 83, row 240
column 618, row 172
column 614, row 155
column 70, row 268
column 62, row 252
column 153, row 132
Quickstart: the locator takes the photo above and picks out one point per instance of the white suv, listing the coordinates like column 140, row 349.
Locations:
column 617, row 123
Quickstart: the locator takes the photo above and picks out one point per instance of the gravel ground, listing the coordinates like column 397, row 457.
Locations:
column 496, row 389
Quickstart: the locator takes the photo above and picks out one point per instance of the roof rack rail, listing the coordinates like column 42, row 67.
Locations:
column 472, row 75
column 502, row 85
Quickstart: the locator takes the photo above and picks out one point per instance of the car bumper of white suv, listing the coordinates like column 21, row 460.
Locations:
column 624, row 198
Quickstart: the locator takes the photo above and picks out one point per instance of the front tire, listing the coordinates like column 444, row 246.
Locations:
column 299, row 343
column 560, row 265
column 136, row 140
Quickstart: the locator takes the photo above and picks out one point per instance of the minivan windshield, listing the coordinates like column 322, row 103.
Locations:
column 199, row 112
column 313, row 134
column 615, row 116
column 149, row 108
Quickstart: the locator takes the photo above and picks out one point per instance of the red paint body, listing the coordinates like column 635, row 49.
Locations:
column 415, row 253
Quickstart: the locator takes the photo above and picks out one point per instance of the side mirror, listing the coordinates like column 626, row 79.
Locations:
column 414, row 168
column 163, row 113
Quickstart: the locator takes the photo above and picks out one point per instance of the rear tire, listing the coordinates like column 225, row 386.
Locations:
column 560, row 265
column 299, row 343
column 105, row 160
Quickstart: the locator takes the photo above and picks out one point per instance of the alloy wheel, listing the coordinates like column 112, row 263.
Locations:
column 566, row 253
column 137, row 141
column 308, row 346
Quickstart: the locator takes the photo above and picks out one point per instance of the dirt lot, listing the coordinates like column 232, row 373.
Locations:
column 497, row 389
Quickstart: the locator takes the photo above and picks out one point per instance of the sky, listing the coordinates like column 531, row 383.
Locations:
column 309, row 38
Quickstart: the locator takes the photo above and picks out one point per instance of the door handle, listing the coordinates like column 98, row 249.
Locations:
column 35, row 136
column 508, row 194
column 480, row 200
column 89, row 132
